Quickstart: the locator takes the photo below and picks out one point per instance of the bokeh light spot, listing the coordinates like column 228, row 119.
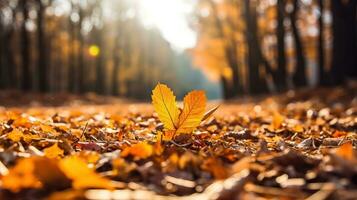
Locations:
column 94, row 50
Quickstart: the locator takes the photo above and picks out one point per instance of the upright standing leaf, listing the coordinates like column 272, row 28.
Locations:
column 209, row 113
column 194, row 105
column 165, row 105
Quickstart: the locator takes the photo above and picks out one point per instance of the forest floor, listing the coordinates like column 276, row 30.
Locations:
column 296, row 145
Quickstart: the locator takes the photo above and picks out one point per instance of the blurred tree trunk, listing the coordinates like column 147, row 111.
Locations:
column 9, row 58
column 344, row 60
column 41, row 48
column 2, row 67
column 71, row 59
column 81, row 71
column 299, row 76
column 230, row 52
column 117, row 60
column 5, row 74
column 257, row 84
column 26, row 84
column 225, row 87
column 280, row 76
column 321, row 46
column 100, row 71
column 116, row 67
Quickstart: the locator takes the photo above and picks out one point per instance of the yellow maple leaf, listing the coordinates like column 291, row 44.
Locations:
column 53, row 151
column 194, row 105
column 164, row 102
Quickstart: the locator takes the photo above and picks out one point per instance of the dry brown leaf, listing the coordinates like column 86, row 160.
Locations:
column 209, row 113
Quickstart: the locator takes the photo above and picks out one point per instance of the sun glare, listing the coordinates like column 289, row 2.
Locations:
column 170, row 17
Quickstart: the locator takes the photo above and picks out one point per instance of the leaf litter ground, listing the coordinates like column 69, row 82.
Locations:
column 298, row 145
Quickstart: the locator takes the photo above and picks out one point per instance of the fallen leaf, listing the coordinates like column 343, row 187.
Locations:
column 21, row 176
column 48, row 172
column 165, row 106
column 15, row 135
column 278, row 119
column 215, row 167
column 158, row 148
column 298, row 128
column 209, row 113
column 194, row 105
column 140, row 151
column 82, row 176
column 338, row 134
column 346, row 151
column 53, row 151
column 175, row 119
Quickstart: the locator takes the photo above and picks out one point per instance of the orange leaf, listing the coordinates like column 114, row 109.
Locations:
column 278, row 119
column 21, row 176
column 193, row 111
column 337, row 134
column 141, row 151
column 346, row 151
column 82, row 176
column 177, row 120
column 53, row 151
column 15, row 135
column 164, row 103
column 215, row 167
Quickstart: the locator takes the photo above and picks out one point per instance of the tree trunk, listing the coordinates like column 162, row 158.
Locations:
column 71, row 58
column 280, row 76
column 299, row 76
column 344, row 40
column 81, row 72
column 25, row 50
column 41, row 47
column 257, row 84
column 2, row 76
column 99, row 65
column 321, row 46
column 116, row 62
column 226, row 88
column 9, row 58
